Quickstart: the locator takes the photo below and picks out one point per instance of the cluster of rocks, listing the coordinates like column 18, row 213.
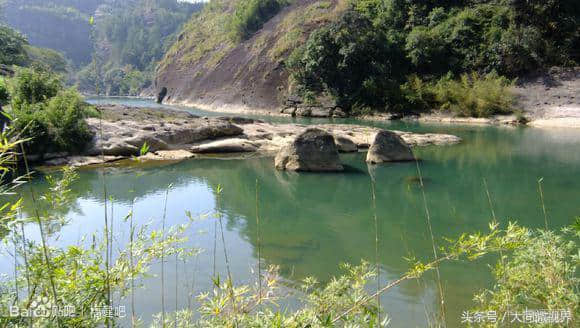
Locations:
column 295, row 107
column 176, row 135
column 317, row 150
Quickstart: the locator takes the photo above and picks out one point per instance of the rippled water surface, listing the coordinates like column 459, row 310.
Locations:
column 310, row 223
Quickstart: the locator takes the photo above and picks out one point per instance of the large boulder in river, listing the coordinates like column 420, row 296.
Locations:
column 312, row 150
column 345, row 145
column 389, row 147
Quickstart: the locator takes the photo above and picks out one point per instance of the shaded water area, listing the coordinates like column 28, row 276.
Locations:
column 310, row 223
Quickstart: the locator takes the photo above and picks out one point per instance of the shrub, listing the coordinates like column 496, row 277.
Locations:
column 50, row 116
column 250, row 15
column 540, row 275
column 51, row 59
column 12, row 47
column 32, row 86
column 353, row 61
column 474, row 95
column 4, row 95
column 65, row 114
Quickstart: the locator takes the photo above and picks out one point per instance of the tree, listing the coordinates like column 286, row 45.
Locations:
column 12, row 44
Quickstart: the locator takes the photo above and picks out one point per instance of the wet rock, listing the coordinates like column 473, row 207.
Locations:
column 239, row 120
column 289, row 110
column 320, row 112
column 388, row 146
column 161, row 95
column 338, row 113
column 303, row 111
column 345, row 145
column 232, row 145
column 312, row 150
column 168, row 155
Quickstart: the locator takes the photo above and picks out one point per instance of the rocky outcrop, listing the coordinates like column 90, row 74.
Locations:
column 125, row 137
column 388, row 146
column 295, row 107
column 312, row 150
column 176, row 135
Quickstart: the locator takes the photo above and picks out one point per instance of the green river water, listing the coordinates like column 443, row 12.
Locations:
column 310, row 223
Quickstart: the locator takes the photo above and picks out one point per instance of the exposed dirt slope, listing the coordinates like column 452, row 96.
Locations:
column 551, row 99
column 206, row 68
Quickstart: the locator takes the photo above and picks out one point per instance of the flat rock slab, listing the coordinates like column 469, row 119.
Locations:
column 229, row 145
column 174, row 135
column 168, row 155
column 82, row 160
column 164, row 131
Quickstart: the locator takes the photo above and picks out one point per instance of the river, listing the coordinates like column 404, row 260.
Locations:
column 310, row 223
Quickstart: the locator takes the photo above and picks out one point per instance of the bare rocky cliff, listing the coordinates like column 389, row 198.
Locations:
column 206, row 68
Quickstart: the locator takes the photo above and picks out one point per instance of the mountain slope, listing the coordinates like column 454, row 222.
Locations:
column 209, row 65
column 367, row 55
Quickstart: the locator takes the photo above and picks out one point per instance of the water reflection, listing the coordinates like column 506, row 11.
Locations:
column 310, row 223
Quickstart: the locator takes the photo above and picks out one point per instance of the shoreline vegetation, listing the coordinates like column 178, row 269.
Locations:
column 535, row 268
column 343, row 58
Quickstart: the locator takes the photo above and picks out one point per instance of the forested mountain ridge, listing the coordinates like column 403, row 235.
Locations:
column 61, row 25
column 114, row 45
column 130, row 38
column 386, row 55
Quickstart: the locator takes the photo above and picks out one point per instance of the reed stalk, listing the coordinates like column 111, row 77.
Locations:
column 16, row 287
column 25, row 257
column 258, row 243
column 131, row 263
column 376, row 223
column 543, row 204
column 163, row 258
column 229, row 272
column 43, row 237
column 435, row 263
column 176, row 285
column 428, row 218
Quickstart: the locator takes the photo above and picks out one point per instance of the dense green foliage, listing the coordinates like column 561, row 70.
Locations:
column 541, row 275
column 61, row 25
column 4, row 95
column 363, row 58
column 116, row 55
column 49, row 115
column 51, row 59
column 249, row 16
column 129, row 42
column 15, row 50
column 12, row 43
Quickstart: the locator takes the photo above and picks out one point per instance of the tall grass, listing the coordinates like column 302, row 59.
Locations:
column 470, row 95
column 43, row 237
column 376, row 224
column 258, row 243
column 541, row 191
column 131, row 262
column 435, row 255
column 163, row 257
column 475, row 95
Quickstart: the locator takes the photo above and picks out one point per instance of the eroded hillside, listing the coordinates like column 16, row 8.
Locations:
column 215, row 64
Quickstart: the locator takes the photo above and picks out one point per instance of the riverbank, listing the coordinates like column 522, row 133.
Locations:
column 169, row 134
column 545, row 100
